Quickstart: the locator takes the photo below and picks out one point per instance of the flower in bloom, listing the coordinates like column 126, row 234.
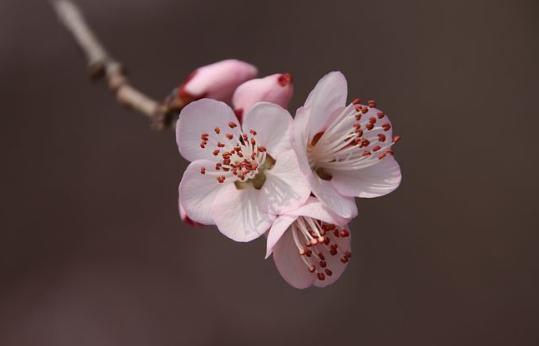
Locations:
column 217, row 81
column 240, row 176
column 310, row 245
column 276, row 88
column 344, row 151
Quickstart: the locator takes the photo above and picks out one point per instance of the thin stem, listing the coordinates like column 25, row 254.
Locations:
column 101, row 64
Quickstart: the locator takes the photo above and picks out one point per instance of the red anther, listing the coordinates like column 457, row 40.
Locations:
column 253, row 132
column 326, row 240
column 218, row 166
column 254, row 166
column 321, row 256
column 239, row 154
column 261, row 149
column 308, row 253
column 215, row 152
column 356, row 101
column 372, row 120
column 358, row 116
column 328, row 272
column 311, row 269
column 386, row 126
column 202, row 145
column 221, row 179
column 366, row 153
column 364, row 110
column 229, row 136
column 253, row 156
column 365, row 143
column 217, row 130
column 284, row 79
column 202, row 170
column 382, row 156
column 376, row 148
column 348, row 254
column 381, row 137
column 232, row 124
column 323, row 264
column 220, row 145
column 245, row 137
column 333, row 251
column 359, row 133
column 369, row 126
column 371, row 103
column 396, row 139
column 321, row 276
column 253, row 141
column 330, row 227
column 344, row 259
column 380, row 115
column 204, row 136
column 344, row 233
column 336, row 233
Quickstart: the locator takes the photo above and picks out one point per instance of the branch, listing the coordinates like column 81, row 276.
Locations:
column 101, row 64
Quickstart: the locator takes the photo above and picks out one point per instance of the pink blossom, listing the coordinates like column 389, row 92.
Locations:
column 217, row 81
column 240, row 176
column 276, row 88
column 344, row 151
column 310, row 245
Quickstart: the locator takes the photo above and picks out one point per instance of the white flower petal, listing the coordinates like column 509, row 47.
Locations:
column 200, row 117
column 285, row 187
column 237, row 215
column 279, row 227
column 328, row 95
column 272, row 124
column 289, row 263
column 373, row 181
column 315, row 209
column 341, row 205
column 198, row 191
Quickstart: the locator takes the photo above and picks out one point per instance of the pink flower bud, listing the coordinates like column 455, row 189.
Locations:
column 217, row 81
column 276, row 88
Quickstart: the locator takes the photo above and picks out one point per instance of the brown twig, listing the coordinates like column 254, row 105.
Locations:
column 101, row 64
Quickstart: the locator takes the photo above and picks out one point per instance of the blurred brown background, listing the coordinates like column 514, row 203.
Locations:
column 92, row 251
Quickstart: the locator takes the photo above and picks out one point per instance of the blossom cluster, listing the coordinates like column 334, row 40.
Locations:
column 254, row 170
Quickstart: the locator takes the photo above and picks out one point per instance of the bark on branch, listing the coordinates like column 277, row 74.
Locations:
column 102, row 65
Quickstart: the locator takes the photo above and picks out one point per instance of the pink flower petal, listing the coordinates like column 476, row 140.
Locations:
column 374, row 181
column 328, row 95
column 279, row 227
column 237, row 215
column 289, row 263
column 272, row 124
column 197, row 192
column 199, row 118
column 276, row 88
column 315, row 209
column 217, row 81
column 324, row 190
column 285, row 187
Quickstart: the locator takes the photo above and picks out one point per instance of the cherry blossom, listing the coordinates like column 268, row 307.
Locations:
column 241, row 176
column 344, row 151
column 310, row 245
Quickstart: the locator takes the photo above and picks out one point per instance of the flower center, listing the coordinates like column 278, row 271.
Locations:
column 240, row 159
column 358, row 137
column 315, row 240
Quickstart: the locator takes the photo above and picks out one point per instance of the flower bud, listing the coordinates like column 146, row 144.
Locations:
column 217, row 81
column 276, row 88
